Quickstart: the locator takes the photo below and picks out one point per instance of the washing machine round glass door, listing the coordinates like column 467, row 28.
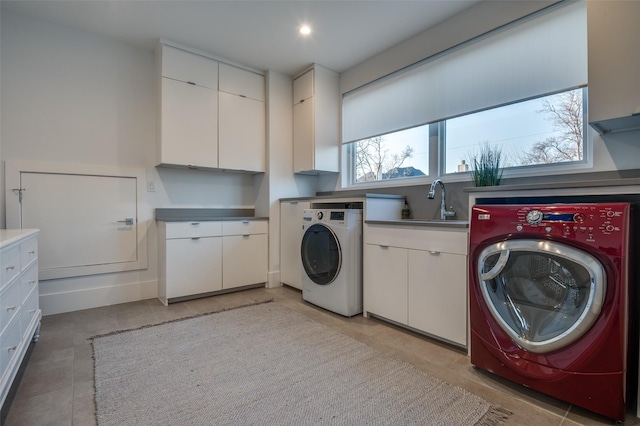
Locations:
column 544, row 295
column 320, row 252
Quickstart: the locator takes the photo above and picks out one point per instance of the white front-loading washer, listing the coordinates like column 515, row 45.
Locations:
column 331, row 252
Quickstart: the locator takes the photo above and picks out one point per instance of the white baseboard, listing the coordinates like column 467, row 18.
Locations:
column 273, row 279
column 70, row 301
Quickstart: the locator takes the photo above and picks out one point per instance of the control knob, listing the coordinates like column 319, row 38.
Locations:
column 534, row 217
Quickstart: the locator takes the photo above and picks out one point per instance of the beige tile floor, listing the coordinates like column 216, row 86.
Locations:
column 57, row 386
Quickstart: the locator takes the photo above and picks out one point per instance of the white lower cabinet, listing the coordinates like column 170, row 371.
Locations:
column 193, row 265
column 20, row 312
column 437, row 294
column 201, row 258
column 245, row 253
column 385, row 274
column 417, row 276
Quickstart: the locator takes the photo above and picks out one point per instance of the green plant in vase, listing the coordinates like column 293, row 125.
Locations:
column 487, row 166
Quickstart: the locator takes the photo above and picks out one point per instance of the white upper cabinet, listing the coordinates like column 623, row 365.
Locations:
column 242, row 126
column 188, row 120
column 316, row 141
column 188, row 125
column 212, row 115
column 613, row 30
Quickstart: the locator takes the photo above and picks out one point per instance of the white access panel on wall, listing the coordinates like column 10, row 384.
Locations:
column 88, row 221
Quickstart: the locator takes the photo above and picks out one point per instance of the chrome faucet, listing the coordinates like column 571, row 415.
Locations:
column 444, row 213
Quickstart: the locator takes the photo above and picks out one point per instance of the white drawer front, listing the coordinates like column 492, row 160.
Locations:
column 193, row 229
column 29, row 311
column 245, row 227
column 28, row 252
column 29, row 281
column 10, row 262
column 417, row 238
column 9, row 344
column 10, row 302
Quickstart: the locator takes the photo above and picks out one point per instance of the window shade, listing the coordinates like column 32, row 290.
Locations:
column 537, row 56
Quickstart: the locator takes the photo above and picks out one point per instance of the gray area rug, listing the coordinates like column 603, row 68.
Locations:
column 267, row 365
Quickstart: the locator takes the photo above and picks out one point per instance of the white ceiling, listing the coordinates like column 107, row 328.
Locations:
column 259, row 34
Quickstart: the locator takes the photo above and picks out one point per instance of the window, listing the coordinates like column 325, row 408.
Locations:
column 545, row 130
column 397, row 155
column 494, row 89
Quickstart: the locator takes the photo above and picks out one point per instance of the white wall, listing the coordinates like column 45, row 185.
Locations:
column 72, row 97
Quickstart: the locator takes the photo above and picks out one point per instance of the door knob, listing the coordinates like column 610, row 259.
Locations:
column 127, row 221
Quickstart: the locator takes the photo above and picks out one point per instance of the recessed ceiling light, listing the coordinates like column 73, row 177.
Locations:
column 305, row 30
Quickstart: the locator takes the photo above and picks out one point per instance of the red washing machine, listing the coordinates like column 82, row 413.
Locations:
column 548, row 294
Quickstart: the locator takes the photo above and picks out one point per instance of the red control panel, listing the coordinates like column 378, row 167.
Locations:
column 601, row 224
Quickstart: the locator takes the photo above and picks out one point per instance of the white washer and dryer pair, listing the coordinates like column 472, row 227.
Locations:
column 331, row 252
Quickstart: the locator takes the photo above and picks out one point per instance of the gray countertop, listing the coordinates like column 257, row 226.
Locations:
column 340, row 196
column 559, row 185
column 420, row 222
column 204, row 214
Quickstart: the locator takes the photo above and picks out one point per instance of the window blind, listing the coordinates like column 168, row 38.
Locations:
column 540, row 55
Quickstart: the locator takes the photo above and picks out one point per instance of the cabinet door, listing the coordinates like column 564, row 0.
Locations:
column 245, row 260
column 241, row 82
column 290, row 238
column 303, row 87
column 242, row 133
column 613, row 31
column 303, row 136
column 194, row 266
column 438, row 294
column 180, row 65
column 385, row 282
column 189, row 125
column 74, row 212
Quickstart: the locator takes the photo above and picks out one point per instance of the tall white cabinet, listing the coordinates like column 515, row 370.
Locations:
column 316, row 114
column 20, row 312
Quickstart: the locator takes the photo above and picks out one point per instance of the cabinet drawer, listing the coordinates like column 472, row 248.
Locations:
column 193, row 229
column 28, row 281
column 10, row 262
column 29, row 311
column 9, row 344
column 10, row 302
column 245, row 227
column 189, row 67
column 241, row 82
column 417, row 238
column 28, row 252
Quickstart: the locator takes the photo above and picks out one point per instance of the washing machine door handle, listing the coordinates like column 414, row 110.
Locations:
column 497, row 268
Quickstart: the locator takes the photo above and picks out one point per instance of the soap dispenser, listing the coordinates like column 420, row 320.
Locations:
column 406, row 211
